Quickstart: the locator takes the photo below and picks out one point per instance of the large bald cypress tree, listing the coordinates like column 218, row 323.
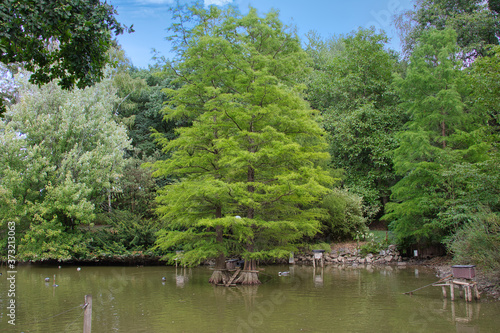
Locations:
column 254, row 149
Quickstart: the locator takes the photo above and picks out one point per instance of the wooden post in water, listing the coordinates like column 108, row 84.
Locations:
column 87, row 315
column 469, row 293
column 476, row 292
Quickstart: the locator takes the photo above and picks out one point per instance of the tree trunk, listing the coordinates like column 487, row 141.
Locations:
column 249, row 274
column 443, row 133
column 220, row 275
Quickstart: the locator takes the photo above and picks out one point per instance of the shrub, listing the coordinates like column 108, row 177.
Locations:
column 126, row 231
column 373, row 244
column 478, row 242
column 345, row 215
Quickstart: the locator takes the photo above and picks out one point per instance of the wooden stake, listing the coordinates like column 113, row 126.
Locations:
column 444, row 291
column 87, row 315
column 452, row 291
column 476, row 292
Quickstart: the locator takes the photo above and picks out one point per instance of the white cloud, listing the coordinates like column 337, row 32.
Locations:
column 155, row 2
column 169, row 2
column 217, row 2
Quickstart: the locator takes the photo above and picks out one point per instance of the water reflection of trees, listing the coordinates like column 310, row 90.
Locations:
column 232, row 295
column 182, row 276
column 351, row 298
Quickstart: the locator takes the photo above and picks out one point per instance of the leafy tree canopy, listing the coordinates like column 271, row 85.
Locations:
column 60, row 153
column 476, row 23
column 352, row 86
column 58, row 39
column 254, row 149
column 443, row 132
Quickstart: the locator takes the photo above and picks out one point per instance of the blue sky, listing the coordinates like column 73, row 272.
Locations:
column 151, row 19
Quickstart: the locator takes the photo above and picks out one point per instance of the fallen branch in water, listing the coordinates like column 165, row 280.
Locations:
column 411, row 292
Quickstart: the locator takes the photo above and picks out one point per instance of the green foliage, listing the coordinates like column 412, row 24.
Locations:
column 135, row 191
column 321, row 246
column 141, row 101
column 125, row 232
column 478, row 242
column 374, row 242
column 49, row 240
column 67, row 202
column 345, row 215
column 383, row 236
column 475, row 188
column 352, row 86
column 443, row 133
column 238, row 139
column 485, row 86
column 61, row 151
column 475, row 22
column 253, row 149
column 58, row 39
column 351, row 71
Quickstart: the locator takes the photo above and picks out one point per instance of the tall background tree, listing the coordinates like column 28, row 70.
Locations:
column 61, row 153
column 127, row 220
column 446, row 172
column 443, row 132
column 477, row 236
column 476, row 23
column 352, row 85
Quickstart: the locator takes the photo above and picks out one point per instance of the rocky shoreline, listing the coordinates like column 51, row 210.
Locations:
column 354, row 257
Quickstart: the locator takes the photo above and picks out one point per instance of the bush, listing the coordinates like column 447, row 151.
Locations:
column 373, row 244
column 478, row 242
column 126, row 232
column 321, row 246
column 345, row 215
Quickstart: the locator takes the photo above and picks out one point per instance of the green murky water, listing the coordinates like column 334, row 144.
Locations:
column 333, row 299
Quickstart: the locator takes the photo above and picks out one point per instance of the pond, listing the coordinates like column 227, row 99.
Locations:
column 329, row 299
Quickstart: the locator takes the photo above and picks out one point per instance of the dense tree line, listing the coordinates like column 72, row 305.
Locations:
column 250, row 144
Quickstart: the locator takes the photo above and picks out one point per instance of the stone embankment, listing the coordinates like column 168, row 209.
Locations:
column 349, row 256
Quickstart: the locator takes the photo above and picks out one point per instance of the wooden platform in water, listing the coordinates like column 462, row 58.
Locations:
column 466, row 287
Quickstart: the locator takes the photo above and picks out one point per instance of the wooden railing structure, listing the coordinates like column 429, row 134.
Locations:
column 462, row 277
